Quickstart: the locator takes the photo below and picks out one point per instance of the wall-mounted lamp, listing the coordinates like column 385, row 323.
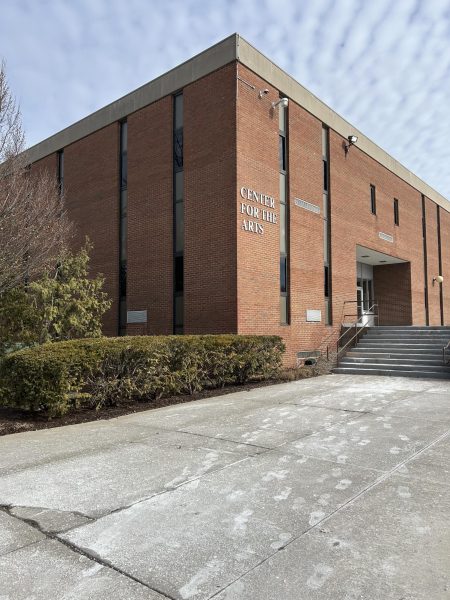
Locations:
column 263, row 92
column 283, row 102
column 438, row 279
column 352, row 139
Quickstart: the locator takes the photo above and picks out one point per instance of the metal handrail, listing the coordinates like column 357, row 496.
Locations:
column 444, row 350
column 325, row 344
column 358, row 331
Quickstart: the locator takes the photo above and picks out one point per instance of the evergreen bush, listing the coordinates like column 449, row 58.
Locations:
column 55, row 376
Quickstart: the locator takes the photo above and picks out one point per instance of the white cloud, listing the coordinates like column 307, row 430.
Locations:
column 384, row 66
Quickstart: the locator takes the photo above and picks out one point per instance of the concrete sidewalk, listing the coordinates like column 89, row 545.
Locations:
column 333, row 488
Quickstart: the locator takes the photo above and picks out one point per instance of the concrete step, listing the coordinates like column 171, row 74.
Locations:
column 396, row 351
column 408, row 344
column 444, row 328
column 390, row 372
column 387, row 359
column 398, row 340
column 397, row 355
column 411, row 333
column 402, row 366
column 417, row 334
column 405, row 340
column 402, row 351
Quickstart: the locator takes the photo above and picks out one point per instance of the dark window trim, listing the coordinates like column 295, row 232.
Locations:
column 178, row 167
column 326, row 177
column 284, row 136
column 123, row 263
column 396, row 213
column 373, row 199
column 60, row 155
column 441, row 290
column 425, row 260
column 328, row 259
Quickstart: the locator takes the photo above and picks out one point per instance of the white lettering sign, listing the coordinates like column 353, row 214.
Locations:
column 250, row 208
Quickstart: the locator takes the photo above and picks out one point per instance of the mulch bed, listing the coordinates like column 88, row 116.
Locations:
column 14, row 420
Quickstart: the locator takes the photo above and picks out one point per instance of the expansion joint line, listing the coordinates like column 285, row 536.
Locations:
column 82, row 552
column 352, row 500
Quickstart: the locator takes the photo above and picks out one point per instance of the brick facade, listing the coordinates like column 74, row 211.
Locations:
column 150, row 210
column 91, row 185
column 209, row 213
column 232, row 275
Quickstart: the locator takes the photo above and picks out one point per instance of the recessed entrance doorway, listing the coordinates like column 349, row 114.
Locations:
column 383, row 287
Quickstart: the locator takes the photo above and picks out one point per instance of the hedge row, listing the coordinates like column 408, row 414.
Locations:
column 105, row 371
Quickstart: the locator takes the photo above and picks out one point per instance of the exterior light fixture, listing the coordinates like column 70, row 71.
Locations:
column 352, row 139
column 438, row 278
column 283, row 102
column 263, row 92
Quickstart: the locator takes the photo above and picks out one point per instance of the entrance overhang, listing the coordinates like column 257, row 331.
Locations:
column 375, row 258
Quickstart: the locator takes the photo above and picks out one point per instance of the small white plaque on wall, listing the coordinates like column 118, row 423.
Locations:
column 314, row 316
column 307, row 205
column 137, row 316
column 387, row 237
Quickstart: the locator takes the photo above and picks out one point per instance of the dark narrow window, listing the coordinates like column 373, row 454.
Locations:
column 283, row 150
column 326, row 225
column 373, row 200
column 441, row 290
column 179, row 266
column 425, row 260
column 123, row 200
column 396, row 215
column 178, row 216
column 61, row 172
column 283, row 163
column 283, row 273
column 325, row 175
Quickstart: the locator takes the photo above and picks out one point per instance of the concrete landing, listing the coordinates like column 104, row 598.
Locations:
column 334, row 487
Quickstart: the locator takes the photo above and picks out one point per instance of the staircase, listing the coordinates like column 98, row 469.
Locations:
column 398, row 351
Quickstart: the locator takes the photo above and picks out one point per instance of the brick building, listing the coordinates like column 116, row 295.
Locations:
column 225, row 197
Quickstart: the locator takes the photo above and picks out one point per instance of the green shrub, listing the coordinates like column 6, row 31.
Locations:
column 106, row 371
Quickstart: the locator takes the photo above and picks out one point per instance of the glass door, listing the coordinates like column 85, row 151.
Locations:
column 360, row 301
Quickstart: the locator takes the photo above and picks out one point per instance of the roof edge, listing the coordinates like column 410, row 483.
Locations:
column 234, row 47
column 257, row 62
column 202, row 64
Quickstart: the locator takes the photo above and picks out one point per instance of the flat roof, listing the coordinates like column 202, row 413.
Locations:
column 231, row 48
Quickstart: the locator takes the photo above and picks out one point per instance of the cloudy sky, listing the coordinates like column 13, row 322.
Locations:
column 382, row 64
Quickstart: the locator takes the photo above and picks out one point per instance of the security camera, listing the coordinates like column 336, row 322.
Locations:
column 352, row 139
column 283, row 102
column 263, row 92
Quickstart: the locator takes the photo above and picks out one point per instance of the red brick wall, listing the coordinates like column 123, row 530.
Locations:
column 393, row 288
column 91, row 191
column 150, row 215
column 353, row 223
column 232, row 276
column 49, row 163
column 209, row 208
column 259, row 255
column 445, row 249
column 433, row 262
column 351, row 219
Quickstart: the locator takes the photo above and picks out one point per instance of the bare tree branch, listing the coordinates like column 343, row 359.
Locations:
column 34, row 228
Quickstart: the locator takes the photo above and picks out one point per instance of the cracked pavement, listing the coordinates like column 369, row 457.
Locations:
column 336, row 487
